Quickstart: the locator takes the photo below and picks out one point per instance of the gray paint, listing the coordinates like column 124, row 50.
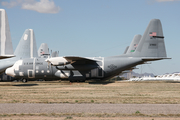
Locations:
column 43, row 50
column 134, row 44
column 55, row 54
column 126, row 49
column 146, row 40
column 8, row 48
column 24, row 49
column 8, row 44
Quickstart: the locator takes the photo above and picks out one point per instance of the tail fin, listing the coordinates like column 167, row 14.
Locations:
column 134, row 44
column 126, row 49
column 43, row 50
column 27, row 46
column 152, row 42
column 55, row 54
column 6, row 48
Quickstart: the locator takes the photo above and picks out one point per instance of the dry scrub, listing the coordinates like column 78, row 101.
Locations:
column 63, row 92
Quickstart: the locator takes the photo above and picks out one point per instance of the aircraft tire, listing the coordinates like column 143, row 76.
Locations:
column 24, row 80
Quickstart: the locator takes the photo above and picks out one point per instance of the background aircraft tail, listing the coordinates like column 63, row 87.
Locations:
column 27, row 46
column 152, row 42
column 134, row 44
column 55, row 54
column 6, row 48
column 126, row 49
column 43, row 50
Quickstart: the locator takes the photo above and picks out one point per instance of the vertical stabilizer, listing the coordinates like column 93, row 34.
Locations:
column 43, row 50
column 27, row 46
column 152, row 42
column 6, row 48
column 134, row 44
column 126, row 49
column 55, row 54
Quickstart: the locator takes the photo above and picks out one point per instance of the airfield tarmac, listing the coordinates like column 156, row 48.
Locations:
column 91, row 100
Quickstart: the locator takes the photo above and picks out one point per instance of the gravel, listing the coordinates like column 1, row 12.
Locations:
column 27, row 108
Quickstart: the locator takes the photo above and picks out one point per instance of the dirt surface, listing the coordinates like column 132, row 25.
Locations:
column 33, row 111
column 89, row 118
column 148, row 109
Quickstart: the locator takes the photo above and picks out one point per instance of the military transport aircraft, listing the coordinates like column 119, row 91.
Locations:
column 151, row 47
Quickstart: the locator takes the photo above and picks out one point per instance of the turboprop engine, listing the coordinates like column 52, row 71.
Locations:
column 58, row 61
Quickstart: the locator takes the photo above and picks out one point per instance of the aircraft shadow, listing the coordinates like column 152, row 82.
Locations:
column 25, row 85
column 172, row 81
column 101, row 82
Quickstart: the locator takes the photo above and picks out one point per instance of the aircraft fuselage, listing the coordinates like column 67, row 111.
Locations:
column 38, row 68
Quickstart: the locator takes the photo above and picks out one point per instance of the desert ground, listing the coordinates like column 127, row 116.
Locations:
column 146, row 100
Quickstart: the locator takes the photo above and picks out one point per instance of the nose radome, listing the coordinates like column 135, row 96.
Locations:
column 10, row 72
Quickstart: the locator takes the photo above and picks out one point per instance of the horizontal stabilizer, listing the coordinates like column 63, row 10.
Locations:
column 153, row 59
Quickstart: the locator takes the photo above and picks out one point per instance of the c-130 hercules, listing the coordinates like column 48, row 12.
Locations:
column 151, row 47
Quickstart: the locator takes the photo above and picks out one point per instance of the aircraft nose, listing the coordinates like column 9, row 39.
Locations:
column 10, row 72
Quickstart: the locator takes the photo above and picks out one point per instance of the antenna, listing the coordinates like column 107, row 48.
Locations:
column 51, row 53
column 48, row 53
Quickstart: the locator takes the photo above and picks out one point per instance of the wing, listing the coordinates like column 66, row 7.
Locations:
column 79, row 59
column 58, row 61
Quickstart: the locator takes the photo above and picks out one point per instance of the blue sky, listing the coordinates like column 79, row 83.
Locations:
column 92, row 28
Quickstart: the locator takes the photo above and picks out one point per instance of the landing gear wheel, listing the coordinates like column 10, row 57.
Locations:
column 24, row 80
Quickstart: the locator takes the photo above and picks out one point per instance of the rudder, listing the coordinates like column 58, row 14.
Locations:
column 134, row 44
column 43, row 50
column 6, row 48
column 27, row 46
column 152, row 42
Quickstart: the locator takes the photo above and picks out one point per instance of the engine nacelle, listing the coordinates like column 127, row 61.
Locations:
column 58, row 61
column 62, row 74
column 70, row 75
